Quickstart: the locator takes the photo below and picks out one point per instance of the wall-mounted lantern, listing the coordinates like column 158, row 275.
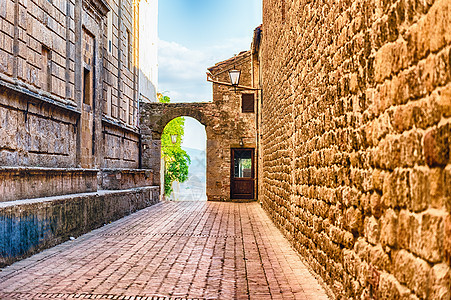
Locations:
column 241, row 142
column 174, row 138
column 234, row 77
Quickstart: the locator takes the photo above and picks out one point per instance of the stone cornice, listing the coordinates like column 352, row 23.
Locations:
column 101, row 6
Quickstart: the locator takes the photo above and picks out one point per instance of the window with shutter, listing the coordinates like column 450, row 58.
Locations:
column 247, row 103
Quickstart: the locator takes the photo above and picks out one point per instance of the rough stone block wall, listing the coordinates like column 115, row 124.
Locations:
column 25, row 183
column 35, row 134
column 356, row 141
column 232, row 125
column 120, row 93
column 121, row 147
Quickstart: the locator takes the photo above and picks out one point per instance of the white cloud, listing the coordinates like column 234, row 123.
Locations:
column 182, row 77
column 182, row 70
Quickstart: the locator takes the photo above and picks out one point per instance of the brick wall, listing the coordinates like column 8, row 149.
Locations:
column 356, row 122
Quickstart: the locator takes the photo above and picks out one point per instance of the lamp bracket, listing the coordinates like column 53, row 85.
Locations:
column 209, row 79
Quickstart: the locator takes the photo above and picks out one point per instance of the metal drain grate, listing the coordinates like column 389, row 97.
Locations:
column 171, row 234
column 37, row 296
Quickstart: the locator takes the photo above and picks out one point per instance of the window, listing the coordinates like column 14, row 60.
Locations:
column 87, row 86
column 46, row 69
column 247, row 103
column 128, row 43
column 110, row 31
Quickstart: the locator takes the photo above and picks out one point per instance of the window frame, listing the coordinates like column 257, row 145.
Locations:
column 246, row 107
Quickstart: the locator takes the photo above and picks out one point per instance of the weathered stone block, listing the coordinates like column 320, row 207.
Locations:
column 389, row 226
column 372, row 230
column 447, row 239
column 390, row 288
column 354, row 220
column 404, row 232
column 379, row 259
column 376, row 205
column 440, row 282
column 419, row 189
column 444, row 100
column 397, row 189
column 413, row 272
column 390, row 59
column 427, row 235
column 437, row 188
column 437, row 146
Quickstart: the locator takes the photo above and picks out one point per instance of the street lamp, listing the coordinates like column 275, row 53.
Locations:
column 234, row 77
column 174, row 138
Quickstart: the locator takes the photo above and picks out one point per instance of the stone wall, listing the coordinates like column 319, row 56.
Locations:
column 356, row 141
column 121, row 179
column 120, row 145
column 29, row 226
column 36, row 132
column 234, row 126
column 27, row 182
column 56, row 79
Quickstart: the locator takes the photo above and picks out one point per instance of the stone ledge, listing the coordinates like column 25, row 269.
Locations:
column 32, row 225
column 34, row 182
column 31, row 93
column 119, row 124
column 117, row 179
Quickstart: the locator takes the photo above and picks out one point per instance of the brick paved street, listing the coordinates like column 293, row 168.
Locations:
column 173, row 250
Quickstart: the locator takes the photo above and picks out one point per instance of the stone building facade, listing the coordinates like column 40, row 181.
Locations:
column 356, row 129
column 69, row 86
column 68, row 108
column 229, row 126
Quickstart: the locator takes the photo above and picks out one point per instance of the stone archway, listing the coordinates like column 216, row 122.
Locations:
column 229, row 125
column 154, row 118
column 223, row 131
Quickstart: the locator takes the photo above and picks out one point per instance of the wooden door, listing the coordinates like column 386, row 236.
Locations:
column 242, row 182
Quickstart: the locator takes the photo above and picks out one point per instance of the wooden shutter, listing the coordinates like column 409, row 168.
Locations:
column 247, row 103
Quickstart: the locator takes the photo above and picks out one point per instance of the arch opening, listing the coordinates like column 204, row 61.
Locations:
column 191, row 140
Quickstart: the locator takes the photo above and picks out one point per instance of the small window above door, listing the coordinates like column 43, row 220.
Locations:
column 247, row 103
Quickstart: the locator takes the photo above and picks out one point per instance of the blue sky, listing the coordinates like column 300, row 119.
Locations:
column 194, row 35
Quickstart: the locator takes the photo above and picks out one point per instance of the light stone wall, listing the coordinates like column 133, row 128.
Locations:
column 45, row 48
column 356, row 120
column 120, row 86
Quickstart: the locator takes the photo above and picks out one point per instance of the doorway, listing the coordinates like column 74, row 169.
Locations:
column 242, row 182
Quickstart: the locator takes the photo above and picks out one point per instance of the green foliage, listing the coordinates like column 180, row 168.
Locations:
column 176, row 159
column 246, row 163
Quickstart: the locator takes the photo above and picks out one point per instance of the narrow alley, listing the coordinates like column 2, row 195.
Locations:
column 172, row 250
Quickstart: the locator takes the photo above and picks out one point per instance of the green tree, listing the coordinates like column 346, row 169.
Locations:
column 176, row 160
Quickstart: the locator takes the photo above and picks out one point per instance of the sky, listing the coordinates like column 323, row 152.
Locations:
column 193, row 36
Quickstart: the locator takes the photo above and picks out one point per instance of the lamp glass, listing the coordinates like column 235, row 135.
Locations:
column 174, row 138
column 234, row 76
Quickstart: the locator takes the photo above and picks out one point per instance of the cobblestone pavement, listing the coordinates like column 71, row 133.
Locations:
column 173, row 250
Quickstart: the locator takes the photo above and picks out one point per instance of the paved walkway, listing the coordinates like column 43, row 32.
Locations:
column 173, row 250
